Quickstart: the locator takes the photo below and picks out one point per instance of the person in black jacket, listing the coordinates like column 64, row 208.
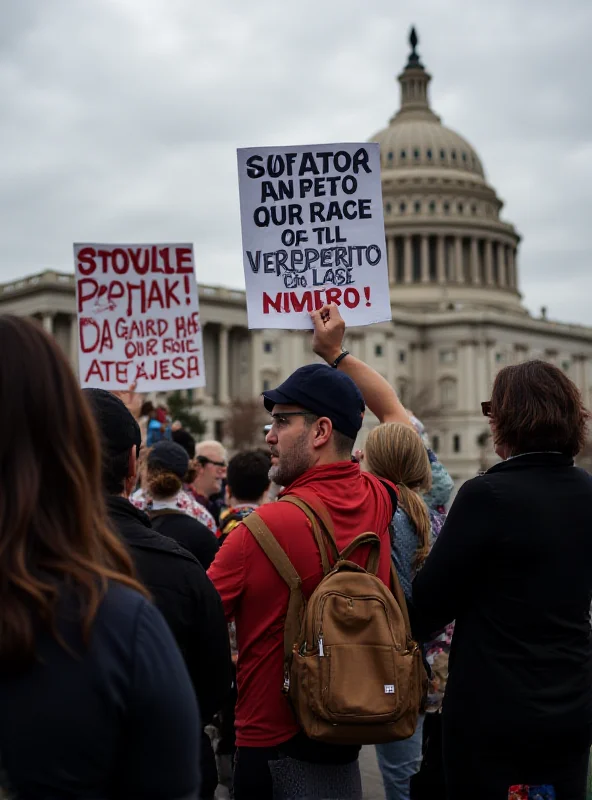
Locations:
column 513, row 566
column 177, row 581
column 95, row 698
column 167, row 469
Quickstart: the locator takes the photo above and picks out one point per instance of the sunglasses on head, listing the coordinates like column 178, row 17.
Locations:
column 486, row 408
column 203, row 460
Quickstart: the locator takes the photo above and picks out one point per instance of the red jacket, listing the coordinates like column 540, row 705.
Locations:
column 256, row 597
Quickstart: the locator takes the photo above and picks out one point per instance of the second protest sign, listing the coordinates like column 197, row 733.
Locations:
column 138, row 317
column 313, row 232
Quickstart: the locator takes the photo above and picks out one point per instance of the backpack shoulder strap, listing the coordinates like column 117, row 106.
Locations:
column 277, row 555
column 325, row 530
column 399, row 595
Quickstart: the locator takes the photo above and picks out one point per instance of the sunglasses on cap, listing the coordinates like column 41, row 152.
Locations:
column 203, row 460
column 486, row 408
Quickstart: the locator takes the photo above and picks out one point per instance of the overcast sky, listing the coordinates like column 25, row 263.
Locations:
column 120, row 118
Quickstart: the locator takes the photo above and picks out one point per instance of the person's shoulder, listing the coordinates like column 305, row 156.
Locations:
column 121, row 607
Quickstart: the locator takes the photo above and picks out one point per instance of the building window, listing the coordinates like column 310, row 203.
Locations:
column 267, row 347
column 456, row 443
column 453, row 155
column 266, row 385
column 390, row 156
column 402, row 208
column 432, row 207
column 474, row 209
column 464, row 157
column 417, row 206
column 388, row 208
column 448, row 356
column 446, row 207
column 402, row 356
column 429, row 154
column 378, row 350
column 190, row 395
column 460, row 208
column 565, row 366
column 416, row 155
column 436, row 443
column 499, row 358
column 442, row 154
column 448, row 393
column 403, row 155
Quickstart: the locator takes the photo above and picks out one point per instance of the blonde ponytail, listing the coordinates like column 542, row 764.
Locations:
column 394, row 451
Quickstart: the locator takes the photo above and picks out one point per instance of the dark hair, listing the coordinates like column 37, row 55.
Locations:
column 186, row 441
column 53, row 520
column 343, row 444
column 534, row 406
column 163, row 483
column 147, row 408
column 248, row 475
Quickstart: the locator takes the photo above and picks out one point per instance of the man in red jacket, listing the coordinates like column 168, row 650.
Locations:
column 316, row 415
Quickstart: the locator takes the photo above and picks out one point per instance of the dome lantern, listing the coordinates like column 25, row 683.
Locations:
column 414, row 82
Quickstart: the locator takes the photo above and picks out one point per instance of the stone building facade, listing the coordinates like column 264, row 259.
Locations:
column 453, row 270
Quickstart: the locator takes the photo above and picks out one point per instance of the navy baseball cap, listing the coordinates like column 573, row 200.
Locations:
column 169, row 456
column 325, row 392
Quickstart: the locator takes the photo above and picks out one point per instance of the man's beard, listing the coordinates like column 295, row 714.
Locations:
column 292, row 463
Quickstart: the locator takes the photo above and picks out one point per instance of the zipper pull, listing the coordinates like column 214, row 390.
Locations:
column 321, row 648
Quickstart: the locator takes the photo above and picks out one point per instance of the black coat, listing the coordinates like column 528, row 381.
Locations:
column 513, row 566
column 186, row 598
column 188, row 532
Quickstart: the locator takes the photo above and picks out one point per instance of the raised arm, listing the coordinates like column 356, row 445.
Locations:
column 379, row 395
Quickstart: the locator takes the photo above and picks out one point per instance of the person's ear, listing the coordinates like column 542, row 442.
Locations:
column 323, row 428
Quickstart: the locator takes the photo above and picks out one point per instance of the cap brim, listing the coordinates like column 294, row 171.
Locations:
column 272, row 398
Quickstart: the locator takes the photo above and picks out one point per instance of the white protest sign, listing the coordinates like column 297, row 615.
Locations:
column 313, row 232
column 138, row 317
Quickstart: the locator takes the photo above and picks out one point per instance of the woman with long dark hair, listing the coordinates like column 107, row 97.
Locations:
column 513, row 567
column 94, row 697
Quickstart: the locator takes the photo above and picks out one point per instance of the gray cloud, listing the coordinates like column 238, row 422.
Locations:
column 120, row 118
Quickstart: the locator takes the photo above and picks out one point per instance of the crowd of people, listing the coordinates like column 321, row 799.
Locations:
column 169, row 618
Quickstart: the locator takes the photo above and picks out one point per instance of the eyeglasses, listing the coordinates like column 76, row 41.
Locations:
column 203, row 460
column 282, row 419
column 486, row 408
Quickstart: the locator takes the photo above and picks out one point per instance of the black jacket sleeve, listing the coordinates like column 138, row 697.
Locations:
column 161, row 761
column 451, row 574
column 207, row 655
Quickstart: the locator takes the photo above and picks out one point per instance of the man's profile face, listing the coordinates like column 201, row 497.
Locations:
column 211, row 471
column 290, row 442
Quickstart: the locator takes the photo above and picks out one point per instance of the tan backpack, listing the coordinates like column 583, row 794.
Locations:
column 352, row 672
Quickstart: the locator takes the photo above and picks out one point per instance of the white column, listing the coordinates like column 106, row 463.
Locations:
column 407, row 259
column 440, row 259
column 425, row 259
column 488, row 262
column 223, row 396
column 458, row 258
column 475, row 276
column 511, row 268
column 468, row 377
column 391, row 358
column 74, row 343
column 390, row 244
column 501, row 264
column 47, row 320
column 256, row 347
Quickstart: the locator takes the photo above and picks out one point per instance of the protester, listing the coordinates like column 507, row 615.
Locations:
column 513, row 567
column 167, row 468
column 176, row 580
column 144, row 416
column 208, row 487
column 95, row 698
column 246, row 488
column 316, row 415
column 184, row 501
